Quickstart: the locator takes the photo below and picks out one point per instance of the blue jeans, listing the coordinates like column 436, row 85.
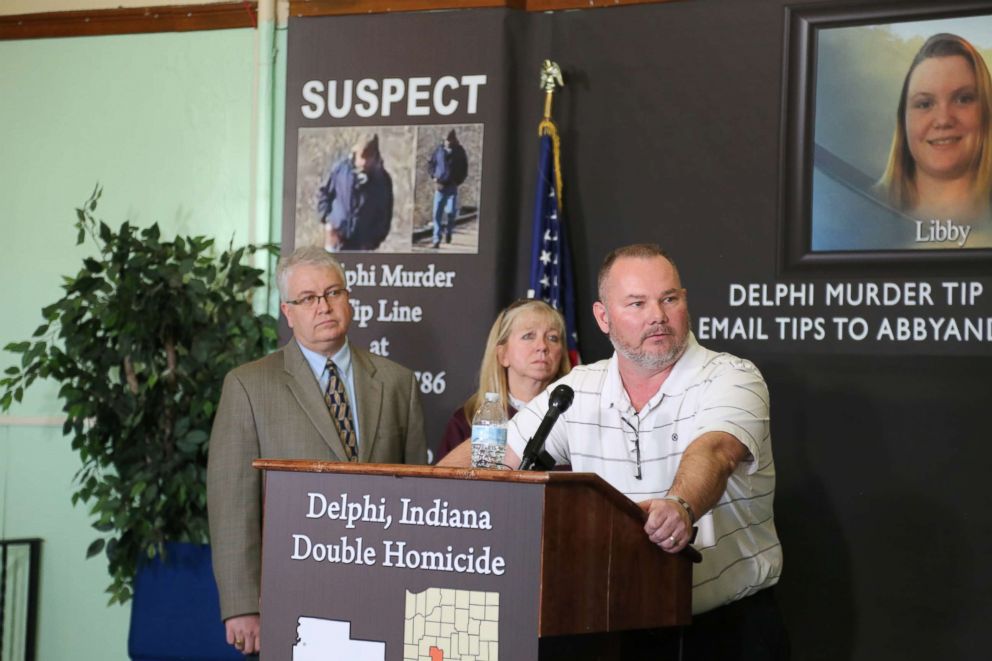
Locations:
column 445, row 204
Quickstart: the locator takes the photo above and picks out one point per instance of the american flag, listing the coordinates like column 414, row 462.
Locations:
column 550, row 263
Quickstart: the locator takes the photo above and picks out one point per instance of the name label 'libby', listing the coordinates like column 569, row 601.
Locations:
column 939, row 232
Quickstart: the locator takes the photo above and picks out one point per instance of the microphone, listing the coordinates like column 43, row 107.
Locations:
column 535, row 457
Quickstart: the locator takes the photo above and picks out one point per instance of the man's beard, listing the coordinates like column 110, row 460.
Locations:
column 650, row 360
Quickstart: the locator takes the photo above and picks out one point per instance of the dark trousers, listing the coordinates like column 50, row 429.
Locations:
column 750, row 629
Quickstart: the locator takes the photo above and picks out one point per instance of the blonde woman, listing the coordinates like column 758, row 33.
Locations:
column 940, row 162
column 525, row 352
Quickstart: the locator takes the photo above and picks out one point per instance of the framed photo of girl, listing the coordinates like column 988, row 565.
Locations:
column 887, row 136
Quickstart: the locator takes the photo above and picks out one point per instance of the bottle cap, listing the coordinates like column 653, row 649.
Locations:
column 492, row 396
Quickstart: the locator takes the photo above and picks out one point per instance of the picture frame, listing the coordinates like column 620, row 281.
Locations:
column 843, row 77
column 20, row 564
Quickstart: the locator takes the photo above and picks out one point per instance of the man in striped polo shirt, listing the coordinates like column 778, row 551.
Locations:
column 683, row 431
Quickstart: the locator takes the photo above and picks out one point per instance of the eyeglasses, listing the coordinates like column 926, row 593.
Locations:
column 331, row 295
column 637, row 443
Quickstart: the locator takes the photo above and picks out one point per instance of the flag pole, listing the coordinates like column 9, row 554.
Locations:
column 551, row 80
column 551, row 277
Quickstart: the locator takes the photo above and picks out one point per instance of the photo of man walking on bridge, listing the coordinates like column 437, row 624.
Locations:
column 448, row 169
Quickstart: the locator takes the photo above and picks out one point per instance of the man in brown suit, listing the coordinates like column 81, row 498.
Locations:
column 317, row 397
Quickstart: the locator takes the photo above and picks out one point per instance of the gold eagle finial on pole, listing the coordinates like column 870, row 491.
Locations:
column 550, row 80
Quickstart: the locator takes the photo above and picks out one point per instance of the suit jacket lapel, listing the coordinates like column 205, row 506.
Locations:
column 368, row 392
column 306, row 390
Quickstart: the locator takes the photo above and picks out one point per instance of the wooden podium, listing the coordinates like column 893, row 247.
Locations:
column 395, row 563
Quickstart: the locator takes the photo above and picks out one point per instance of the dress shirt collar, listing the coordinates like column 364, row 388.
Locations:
column 615, row 396
column 318, row 361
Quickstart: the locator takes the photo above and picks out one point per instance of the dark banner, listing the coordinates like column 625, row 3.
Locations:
column 885, row 221
column 752, row 141
column 395, row 132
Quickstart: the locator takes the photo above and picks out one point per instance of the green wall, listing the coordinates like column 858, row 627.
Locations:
column 165, row 123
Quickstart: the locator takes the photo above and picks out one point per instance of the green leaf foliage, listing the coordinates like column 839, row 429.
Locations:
column 140, row 342
column 95, row 547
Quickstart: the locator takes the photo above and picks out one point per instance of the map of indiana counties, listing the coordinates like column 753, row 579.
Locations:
column 451, row 625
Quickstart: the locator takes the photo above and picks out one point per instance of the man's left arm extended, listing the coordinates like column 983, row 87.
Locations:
column 701, row 479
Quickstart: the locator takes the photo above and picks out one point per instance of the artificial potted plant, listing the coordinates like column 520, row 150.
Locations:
column 140, row 342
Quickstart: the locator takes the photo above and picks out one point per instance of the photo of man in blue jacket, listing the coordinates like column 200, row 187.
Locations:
column 448, row 168
column 355, row 204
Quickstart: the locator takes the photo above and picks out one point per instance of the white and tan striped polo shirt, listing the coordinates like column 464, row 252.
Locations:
column 706, row 391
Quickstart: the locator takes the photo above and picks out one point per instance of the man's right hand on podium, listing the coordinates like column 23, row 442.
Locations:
column 243, row 632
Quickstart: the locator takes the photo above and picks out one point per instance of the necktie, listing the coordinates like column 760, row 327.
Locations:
column 337, row 403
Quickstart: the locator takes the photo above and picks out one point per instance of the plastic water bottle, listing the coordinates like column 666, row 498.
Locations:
column 489, row 433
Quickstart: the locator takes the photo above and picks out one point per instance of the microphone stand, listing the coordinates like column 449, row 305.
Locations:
column 538, row 460
column 535, row 457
